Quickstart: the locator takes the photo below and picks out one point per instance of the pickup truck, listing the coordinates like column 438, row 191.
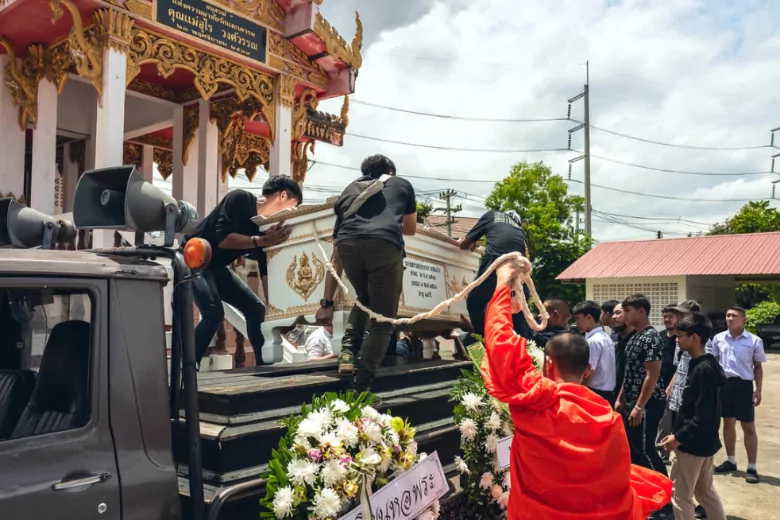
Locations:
column 93, row 424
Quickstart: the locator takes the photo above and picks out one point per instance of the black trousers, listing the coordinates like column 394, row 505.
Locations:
column 641, row 438
column 477, row 302
column 607, row 395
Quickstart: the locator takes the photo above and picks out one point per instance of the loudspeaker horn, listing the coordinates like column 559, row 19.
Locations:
column 119, row 198
column 26, row 228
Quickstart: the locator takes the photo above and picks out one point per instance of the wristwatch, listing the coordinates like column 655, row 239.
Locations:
column 325, row 303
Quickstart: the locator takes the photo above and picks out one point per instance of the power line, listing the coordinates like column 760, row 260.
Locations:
column 667, row 219
column 673, row 145
column 446, row 179
column 453, row 149
column 681, row 172
column 665, row 196
column 460, row 118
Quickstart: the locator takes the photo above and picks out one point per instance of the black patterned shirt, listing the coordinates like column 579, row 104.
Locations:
column 643, row 346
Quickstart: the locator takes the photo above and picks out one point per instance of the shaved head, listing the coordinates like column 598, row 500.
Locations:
column 559, row 311
column 569, row 353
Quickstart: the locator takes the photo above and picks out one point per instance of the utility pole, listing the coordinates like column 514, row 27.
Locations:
column 586, row 153
column 450, row 209
column 577, row 228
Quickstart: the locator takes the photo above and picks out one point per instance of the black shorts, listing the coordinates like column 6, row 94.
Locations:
column 737, row 400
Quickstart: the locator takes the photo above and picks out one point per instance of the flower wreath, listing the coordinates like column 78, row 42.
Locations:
column 329, row 451
column 483, row 421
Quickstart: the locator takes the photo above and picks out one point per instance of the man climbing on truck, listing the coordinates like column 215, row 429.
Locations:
column 232, row 234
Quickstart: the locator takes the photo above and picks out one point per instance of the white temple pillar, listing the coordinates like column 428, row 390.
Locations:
column 109, row 134
column 147, row 163
column 185, row 177
column 12, row 142
column 44, row 150
column 70, row 177
column 208, row 160
column 281, row 148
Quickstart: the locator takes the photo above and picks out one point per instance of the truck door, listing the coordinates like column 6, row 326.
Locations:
column 57, row 451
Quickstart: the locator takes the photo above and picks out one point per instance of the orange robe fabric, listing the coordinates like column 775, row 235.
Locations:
column 570, row 454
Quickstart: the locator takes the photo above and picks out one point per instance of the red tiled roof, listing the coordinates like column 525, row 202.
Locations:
column 460, row 227
column 755, row 254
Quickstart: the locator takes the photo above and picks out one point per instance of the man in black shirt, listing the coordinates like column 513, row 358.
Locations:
column 368, row 244
column 695, row 438
column 667, row 371
column 559, row 314
column 232, row 234
column 504, row 234
column 643, row 396
column 623, row 334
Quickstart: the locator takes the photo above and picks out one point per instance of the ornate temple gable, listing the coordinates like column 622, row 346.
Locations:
column 287, row 58
column 336, row 46
column 22, row 82
column 311, row 124
column 238, row 148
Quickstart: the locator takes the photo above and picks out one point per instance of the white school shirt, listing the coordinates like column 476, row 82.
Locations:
column 602, row 360
column 736, row 355
column 319, row 344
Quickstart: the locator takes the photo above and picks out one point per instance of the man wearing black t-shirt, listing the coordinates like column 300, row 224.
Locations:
column 368, row 244
column 504, row 234
column 232, row 234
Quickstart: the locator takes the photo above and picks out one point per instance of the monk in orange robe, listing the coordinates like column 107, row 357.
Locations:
column 570, row 454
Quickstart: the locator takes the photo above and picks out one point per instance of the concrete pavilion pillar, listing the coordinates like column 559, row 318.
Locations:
column 70, row 177
column 12, row 141
column 109, row 135
column 185, row 177
column 44, row 150
column 147, row 163
column 281, row 148
column 207, row 142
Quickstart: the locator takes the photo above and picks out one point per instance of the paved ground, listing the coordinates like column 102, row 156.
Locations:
column 761, row 501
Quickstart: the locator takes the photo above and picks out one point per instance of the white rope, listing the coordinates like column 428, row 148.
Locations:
column 523, row 263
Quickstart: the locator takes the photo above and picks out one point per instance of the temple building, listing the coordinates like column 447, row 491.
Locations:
column 196, row 89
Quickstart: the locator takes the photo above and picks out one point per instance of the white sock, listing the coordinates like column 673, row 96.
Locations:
column 752, row 466
column 733, row 460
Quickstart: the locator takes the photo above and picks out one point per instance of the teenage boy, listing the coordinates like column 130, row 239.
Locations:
column 621, row 337
column 559, row 314
column 601, row 358
column 695, row 439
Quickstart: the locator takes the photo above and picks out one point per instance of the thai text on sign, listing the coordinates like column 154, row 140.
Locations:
column 214, row 25
column 410, row 494
column 504, row 452
column 424, row 283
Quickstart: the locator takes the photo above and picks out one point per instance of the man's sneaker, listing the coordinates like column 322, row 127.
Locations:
column 700, row 512
column 751, row 477
column 346, row 363
column 726, row 467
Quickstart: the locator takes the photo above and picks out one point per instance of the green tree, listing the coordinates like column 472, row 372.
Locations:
column 424, row 209
column 753, row 217
column 546, row 209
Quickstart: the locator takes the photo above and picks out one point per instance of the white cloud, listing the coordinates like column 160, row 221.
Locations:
column 687, row 72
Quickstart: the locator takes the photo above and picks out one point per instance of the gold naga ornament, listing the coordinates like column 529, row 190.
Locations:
column 23, row 83
column 301, row 278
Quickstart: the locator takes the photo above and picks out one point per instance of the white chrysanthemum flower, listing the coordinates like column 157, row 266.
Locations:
column 508, row 429
column 302, row 440
column 330, row 438
column 496, row 491
column 333, row 472
column 283, row 502
column 494, row 423
column 326, row 504
column 468, row 429
column 385, row 464
column 370, row 413
column 508, row 480
column 486, row 482
column 491, row 443
column 302, row 472
column 384, row 420
column 347, row 433
column 503, row 500
column 461, row 466
column 374, row 432
column 324, row 418
column 412, row 448
column 472, row 402
column 393, row 437
column 309, row 428
column 339, row 406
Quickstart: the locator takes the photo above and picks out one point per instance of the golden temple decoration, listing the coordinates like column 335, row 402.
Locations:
column 191, row 121
column 85, row 52
column 131, row 154
column 301, row 278
column 300, row 159
column 142, row 9
column 344, row 117
column 152, row 89
column 287, row 58
column 22, row 83
column 210, row 71
column 318, row 79
column 10, row 195
column 287, row 90
column 456, row 286
column 164, row 160
column 58, row 65
column 336, row 45
column 240, row 149
column 267, row 12
column 270, row 253
column 307, row 101
column 114, row 29
column 78, row 154
column 325, row 127
column 153, row 140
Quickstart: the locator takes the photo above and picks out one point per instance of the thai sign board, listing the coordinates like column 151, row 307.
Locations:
column 214, row 25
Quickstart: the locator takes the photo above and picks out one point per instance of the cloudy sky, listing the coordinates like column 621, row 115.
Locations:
column 694, row 73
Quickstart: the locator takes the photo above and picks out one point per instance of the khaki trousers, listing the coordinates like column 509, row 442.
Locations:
column 692, row 477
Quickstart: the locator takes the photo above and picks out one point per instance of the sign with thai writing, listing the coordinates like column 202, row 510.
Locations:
column 410, row 494
column 424, row 284
column 504, row 452
column 214, row 25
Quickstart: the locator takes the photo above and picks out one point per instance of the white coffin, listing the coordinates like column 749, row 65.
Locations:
column 435, row 270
